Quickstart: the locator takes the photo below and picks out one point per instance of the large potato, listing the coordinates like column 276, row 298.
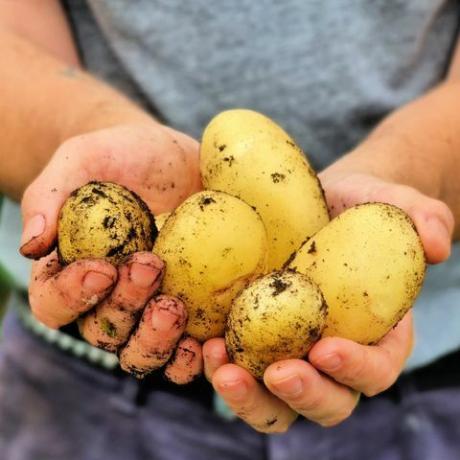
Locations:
column 213, row 245
column 160, row 219
column 369, row 264
column 279, row 316
column 247, row 155
column 103, row 219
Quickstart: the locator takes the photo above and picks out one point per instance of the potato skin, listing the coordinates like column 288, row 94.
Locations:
column 278, row 316
column 369, row 264
column 249, row 156
column 104, row 220
column 160, row 219
column 213, row 245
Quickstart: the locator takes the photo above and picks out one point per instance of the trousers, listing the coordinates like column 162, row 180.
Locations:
column 55, row 407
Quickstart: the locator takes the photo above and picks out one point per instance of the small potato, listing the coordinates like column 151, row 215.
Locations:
column 103, row 219
column 247, row 155
column 213, row 244
column 369, row 264
column 279, row 316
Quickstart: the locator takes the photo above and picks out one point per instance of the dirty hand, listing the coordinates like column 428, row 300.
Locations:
column 326, row 389
column 161, row 166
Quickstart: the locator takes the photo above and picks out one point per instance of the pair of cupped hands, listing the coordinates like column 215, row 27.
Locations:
column 162, row 166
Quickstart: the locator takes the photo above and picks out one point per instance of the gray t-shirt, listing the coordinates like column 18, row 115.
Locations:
column 327, row 71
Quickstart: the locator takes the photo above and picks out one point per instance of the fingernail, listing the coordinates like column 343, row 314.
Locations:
column 164, row 320
column 142, row 275
column 34, row 227
column 290, row 385
column 329, row 362
column 234, row 389
column 96, row 281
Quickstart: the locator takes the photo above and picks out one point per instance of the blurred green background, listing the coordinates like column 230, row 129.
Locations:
column 4, row 290
column 5, row 283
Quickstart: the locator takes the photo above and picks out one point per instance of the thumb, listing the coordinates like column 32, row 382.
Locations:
column 43, row 200
column 432, row 218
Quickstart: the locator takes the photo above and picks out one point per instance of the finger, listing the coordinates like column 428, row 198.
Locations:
column 44, row 198
column 110, row 323
column 432, row 218
column 251, row 401
column 367, row 369
column 214, row 355
column 152, row 344
column 434, row 223
column 309, row 393
column 187, row 362
column 59, row 295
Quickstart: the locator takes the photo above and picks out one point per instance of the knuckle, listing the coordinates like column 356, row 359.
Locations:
column 309, row 404
column 338, row 417
column 377, row 388
column 385, row 375
column 441, row 208
column 27, row 196
column 357, row 370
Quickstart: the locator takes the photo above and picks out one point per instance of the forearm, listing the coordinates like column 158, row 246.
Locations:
column 43, row 102
column 418, row 145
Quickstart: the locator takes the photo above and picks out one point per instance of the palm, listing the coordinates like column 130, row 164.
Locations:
column 161, row 166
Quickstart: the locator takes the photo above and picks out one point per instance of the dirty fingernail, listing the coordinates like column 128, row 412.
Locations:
column 34, row 227
column 165, row 320
column 96, row 281
column 142, row 275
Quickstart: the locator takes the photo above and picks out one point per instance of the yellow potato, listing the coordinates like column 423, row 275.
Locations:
column 103, row 219
column 249, row 156
column 369, row 264
column 160, row 219
column 213, row 245
column 279, row 316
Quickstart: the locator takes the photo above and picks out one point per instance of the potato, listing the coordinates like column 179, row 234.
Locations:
column 160, row 219
column 213, row 245
column 369, row 264
column 279, row 316
column 249, row 156
column 103, row 219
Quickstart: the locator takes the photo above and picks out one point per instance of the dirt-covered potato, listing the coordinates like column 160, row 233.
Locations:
column 278, row 316
column 369, row 264
column 160, row 219
column 213, row 245
column 103, row 219
column 249, row 156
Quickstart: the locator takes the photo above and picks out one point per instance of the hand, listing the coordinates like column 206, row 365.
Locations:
column 161, row 166
column 326, row 389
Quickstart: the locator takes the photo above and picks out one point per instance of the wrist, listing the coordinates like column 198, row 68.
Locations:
column 102, row 112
